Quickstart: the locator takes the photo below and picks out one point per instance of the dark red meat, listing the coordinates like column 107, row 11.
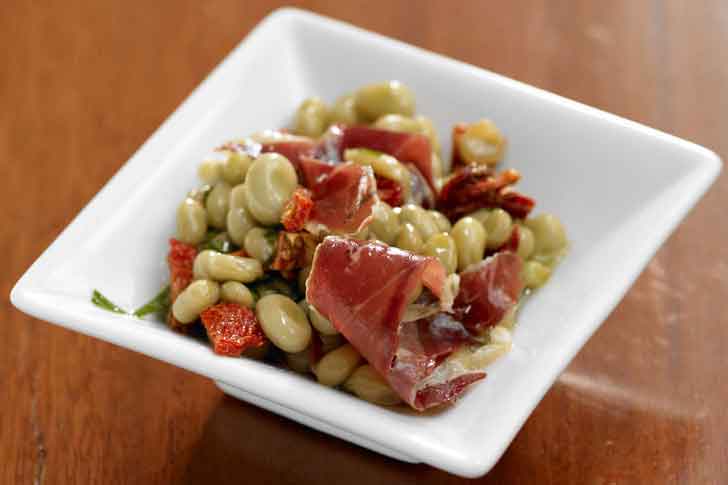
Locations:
column 363, row 287
column 488, row 290
column 406, row 147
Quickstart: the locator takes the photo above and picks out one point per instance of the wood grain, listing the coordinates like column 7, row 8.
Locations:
column 83, row 84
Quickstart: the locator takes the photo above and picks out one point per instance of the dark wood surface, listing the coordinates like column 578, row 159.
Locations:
column 83, row 84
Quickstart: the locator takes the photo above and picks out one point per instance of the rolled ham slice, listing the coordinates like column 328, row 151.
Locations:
column 488, row 290
column 408, row 148
column 343, row 197
column 364, row 287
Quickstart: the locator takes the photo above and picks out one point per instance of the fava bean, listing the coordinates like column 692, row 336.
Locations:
column 336, row 366
column 239, row 222
column 320, row 322
column 269, row 184
column 385, row 223
column 210, row 171
column 535, row 274
column 299, row 361
column 283, row 322
column 260, row 244
column 526, row 242
column 549, row 235
column 379, row 99
column 311, row 117
column 482, row 143
column 194, row 299
column 236, row 292
column 442, row 222
column 369, row 385
column 470, row 238
column 344, row 110
column 210, row 264
column 235, row 168
column 498, row 226
column 409, row 238
column 442, row 246
column 191, row 222
column 217, row 204
column 421, row 219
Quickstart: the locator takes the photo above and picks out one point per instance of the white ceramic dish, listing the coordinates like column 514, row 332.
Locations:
column 619, row 187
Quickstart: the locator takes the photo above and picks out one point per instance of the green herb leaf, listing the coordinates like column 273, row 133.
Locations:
column 158, row 304
column 102, row 302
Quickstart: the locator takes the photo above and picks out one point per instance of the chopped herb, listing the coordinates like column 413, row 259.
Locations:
column 158, row 304
column 102, row 302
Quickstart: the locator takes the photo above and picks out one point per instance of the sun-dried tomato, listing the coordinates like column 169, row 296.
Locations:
column 180, row 259
column 476, row 186
column 232, row 328
column 294, row 250
column 389, row 191
column 297, row 210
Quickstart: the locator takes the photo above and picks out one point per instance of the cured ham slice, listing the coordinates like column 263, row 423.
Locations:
column 342, row 199
column 476, row 186
column 408, row 148
column 488, row 290
column 364, row 287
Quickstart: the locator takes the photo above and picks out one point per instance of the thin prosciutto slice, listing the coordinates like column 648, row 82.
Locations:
column 343, row 197
column 364, row 288
column 409, row 148
column 488, row 290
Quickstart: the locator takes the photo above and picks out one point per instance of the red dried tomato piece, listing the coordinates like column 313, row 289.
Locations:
column 180, row 260
column 476, row 186
column 232, row 328
column 294, row 250
column 297, row 210
column 389, row 191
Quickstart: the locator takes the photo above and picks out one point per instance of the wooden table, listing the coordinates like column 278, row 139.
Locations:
column 83, row 84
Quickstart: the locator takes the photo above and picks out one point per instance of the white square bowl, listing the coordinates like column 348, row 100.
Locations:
column 619, row 187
